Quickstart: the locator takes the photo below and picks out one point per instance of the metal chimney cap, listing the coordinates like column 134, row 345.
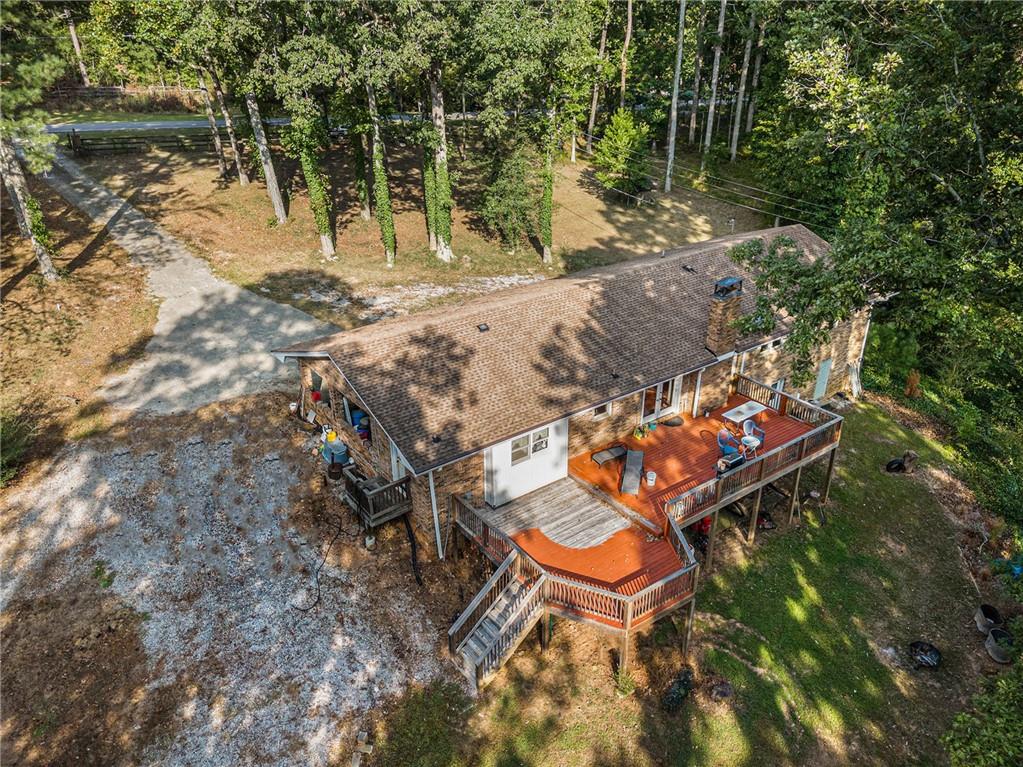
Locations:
column 728, row 286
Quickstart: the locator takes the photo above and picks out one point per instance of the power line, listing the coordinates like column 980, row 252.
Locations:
column 680, row 166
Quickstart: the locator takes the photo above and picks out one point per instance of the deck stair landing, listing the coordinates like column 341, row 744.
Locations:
column 498, row 619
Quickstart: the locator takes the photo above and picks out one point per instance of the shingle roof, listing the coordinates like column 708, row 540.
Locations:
column 441, row 388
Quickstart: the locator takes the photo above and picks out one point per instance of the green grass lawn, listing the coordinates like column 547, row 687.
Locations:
column 804, row 630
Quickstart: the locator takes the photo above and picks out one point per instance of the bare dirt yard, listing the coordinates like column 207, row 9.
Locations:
column 233, row 228
column 161, row 603
column 60, row 341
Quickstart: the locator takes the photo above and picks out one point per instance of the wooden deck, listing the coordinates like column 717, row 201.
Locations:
column 683, row 457
column 572, row 532
column 564, row 511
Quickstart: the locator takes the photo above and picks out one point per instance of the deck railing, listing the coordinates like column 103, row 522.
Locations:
column 471, row 615
column 376, row 505
column 826, row 431
column 622, row 611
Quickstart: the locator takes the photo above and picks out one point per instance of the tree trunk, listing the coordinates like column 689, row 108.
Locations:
column 625, row 51
column 214, row 130
column 461, row 132
column 78, row 48
column 673, row 117
column 695, row 106
column 756, row 78
column 547, row 201
column 264, row 157
column 243, row 178
column 23, row 204
column 363, row 183
column 742, row 85
column 430, row 196
column 380, row 190
column 713, row 85
column 442, row 185
column 596, row 81
column 319, row 199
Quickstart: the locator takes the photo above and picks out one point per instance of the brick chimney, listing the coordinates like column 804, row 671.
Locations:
column 724, row 311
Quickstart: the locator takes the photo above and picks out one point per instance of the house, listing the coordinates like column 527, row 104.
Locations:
column 487, row 423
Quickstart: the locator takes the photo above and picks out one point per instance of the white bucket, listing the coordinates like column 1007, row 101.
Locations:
column 651, row 478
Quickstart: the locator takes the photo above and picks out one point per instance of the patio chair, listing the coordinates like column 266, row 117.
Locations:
column 608, row 454
column 632, row 473
column 750, row 429
column 727, row 444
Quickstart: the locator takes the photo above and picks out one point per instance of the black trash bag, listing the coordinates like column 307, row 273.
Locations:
column 924, row 654
column 678, row 691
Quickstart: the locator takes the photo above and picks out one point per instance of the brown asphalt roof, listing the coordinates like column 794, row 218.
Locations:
column 441, row 388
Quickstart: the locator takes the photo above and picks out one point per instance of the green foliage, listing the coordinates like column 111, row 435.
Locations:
column 430, row 189
column 17, row 431
column 621, row 155
column 359, row 153
column 303, row 139
column 30, row 64
column 509, row 203
column 37, row 224
column 991, row 733
column 443, row 200
column 382, row 198
column 547, row 205
column 625, row 685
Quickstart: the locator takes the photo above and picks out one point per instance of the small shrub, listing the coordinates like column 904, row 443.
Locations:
column 991, row 734
column 510, row 201
column 16, row 434
column 621, row 155
column 625, row 685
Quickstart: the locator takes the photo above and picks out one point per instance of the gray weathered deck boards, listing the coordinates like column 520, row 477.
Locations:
column 564, row 511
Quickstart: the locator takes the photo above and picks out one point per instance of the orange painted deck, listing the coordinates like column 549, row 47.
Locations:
column 627, row 562
column 683, row 457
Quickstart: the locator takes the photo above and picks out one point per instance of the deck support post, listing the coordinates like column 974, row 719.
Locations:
column 751, row 533
column 690, row 619
column 831, row 470
column 623, row 658
column 713, row 538
column 545, row 632
column 794, row 499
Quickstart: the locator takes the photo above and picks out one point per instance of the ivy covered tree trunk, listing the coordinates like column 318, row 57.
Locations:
column 26, row 210
column 740, row 97
column 269, row 175
column 442, row 183
column 211, row 118
column 319, row 200
column 694, row 109
column 362, row 179
column 547, row 199
column 381, row 193
column 709, row 132
column 430, row 196
column 673, row 117
column 756, row 78
column 596, row 81
column 243, row 178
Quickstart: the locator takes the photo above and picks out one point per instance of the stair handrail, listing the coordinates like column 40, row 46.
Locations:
column 455, row 633
column 496, row 650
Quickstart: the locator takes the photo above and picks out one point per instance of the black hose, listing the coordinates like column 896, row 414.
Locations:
column 415, row 550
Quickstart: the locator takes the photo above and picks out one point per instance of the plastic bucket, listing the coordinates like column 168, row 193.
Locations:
column 651, row 478
column 999, row 645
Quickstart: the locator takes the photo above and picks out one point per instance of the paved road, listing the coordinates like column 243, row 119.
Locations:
column 212, row 339
column 145, row 125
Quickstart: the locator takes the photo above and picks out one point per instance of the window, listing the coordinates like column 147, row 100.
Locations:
column 602, row 411
column 776, row 343
column 520, row 449
column 540, row 440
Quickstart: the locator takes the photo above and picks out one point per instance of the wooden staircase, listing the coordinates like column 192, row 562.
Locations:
column 508, row 606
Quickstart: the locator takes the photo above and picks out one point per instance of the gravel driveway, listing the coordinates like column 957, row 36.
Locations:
column 207, row 529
